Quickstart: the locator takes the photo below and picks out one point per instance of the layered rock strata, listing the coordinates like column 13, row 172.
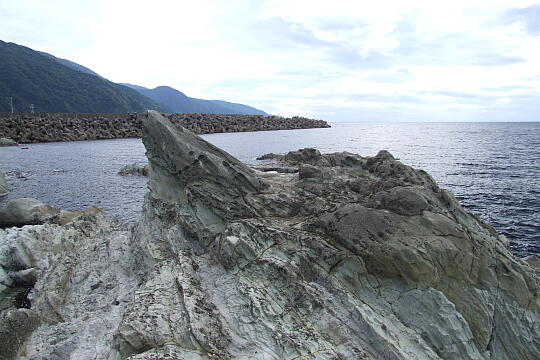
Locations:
column 32, row 128
column 350, row 257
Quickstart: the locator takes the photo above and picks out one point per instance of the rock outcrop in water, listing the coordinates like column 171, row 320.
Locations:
column 349, row 258
column 134, row 169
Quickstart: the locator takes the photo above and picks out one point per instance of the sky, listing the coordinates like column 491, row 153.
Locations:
column 339, row 60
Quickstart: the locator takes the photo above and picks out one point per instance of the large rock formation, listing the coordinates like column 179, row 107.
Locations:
column 349, row 258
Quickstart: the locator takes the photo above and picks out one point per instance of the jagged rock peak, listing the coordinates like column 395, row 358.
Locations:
column 179, row 154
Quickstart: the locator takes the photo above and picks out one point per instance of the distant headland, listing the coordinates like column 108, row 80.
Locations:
column 51, row 127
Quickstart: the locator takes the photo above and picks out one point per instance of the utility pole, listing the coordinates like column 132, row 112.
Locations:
column 10, row 102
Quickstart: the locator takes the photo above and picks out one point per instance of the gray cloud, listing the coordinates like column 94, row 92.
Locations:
column 398, row 76
column 341, row 24
column 462, row 96
column 280, row 33
column 350, row 58
column 414, row 49
column 394, row 98
column 497, row 60
column 506, row 88
column 450, row 49
column 528, row 17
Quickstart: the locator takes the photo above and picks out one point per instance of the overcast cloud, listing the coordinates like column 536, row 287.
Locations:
column 340, row 60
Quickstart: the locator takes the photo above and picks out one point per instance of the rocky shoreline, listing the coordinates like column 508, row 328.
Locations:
column 312, row 256
column 33, row 128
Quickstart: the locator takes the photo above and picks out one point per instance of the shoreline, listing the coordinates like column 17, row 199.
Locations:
column 59, row 127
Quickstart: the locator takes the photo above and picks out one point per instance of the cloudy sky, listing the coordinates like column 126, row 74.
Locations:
column 339, row 60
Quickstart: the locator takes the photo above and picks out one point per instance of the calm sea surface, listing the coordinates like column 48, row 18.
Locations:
column 493, row 168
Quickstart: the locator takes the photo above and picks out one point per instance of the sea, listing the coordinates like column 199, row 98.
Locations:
column 492, row 168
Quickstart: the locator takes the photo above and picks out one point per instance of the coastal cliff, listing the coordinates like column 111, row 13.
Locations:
column 33, row 128
column 314, row 256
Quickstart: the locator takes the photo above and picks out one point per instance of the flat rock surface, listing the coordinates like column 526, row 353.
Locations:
column 347, row 258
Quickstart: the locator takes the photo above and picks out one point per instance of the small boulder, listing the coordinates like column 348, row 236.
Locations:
column 385, row 155
column 7, row 142
column 303, row 156
column 270, row 156
column 27, row 211
column 533, row 261
column 4, row 187
column 67, row 216
column 134, row 169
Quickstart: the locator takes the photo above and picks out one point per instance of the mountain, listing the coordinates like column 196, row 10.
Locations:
column 71, row 64
column 177, row 101
column 237, row 108
column 30, row 77
column 53, row 84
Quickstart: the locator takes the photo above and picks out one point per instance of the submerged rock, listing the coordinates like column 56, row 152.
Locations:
column 350, row 258
column 4, row 187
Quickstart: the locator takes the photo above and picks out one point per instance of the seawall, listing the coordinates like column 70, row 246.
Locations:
column 33, row 128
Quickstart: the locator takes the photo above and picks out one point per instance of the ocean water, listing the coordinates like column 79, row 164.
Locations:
column 492, row 168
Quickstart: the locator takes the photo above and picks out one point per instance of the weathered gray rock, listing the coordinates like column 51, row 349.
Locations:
column 351, row 258
column 533, row 261
column 7, row 142
column 4, row 187
column 79, row 288
column 68, row 216
column 134, row 169
column 26, row 211
column 270, row 156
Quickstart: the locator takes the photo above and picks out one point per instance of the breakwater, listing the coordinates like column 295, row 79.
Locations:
column 33, row 128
